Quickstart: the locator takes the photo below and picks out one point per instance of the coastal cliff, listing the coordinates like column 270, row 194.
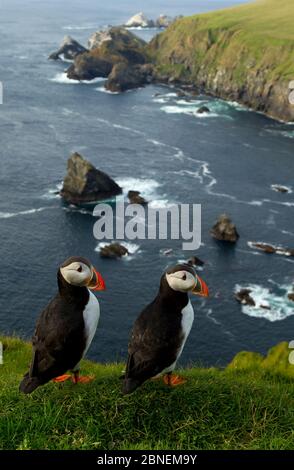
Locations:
column 243, row 54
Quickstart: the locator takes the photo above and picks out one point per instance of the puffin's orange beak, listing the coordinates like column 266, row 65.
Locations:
column 200, row 287
column 97, row 282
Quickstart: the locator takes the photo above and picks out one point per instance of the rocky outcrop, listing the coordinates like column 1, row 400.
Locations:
column 84, row 183
column 69, row 49
column 291, row 295
column 139, row 20
column 136, row 198
column 110, row 48
column 164, row 21
column 99, row 37
column 113, row 250
column 126, row 77
column 224, row 230
column 243, row 296
column 271, row 249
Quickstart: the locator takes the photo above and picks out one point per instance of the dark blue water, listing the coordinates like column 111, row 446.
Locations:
column 226, row 161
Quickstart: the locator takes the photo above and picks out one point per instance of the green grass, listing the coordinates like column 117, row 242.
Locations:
column 246, row 48
column 249, row 405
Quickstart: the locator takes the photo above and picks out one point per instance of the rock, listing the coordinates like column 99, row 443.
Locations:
column 280, row 189
column 203, row 109
column 265, row 307
column 69, row 49
column 264, row 247
column 99, row 37
column 195, row 261
column 112, row 47
column 164, row 21
column 244, row 297
column 113, row 250
column 291, row 296
column 267, row 248
column 136, row 198
column 84, row 183
column 224, row 230
column 139, row 21
column 87, row 67
column 126, row 77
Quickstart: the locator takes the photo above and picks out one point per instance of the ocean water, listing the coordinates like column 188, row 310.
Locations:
column 150, row 140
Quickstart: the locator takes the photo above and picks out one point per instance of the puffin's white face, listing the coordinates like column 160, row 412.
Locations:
column 77, row 274
column 181, row 281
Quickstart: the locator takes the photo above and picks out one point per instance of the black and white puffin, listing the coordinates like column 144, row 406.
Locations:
column 65, row 329
column 161, row 330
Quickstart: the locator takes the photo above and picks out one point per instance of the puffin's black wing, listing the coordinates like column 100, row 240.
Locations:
column 153, row 345
column 57, row 345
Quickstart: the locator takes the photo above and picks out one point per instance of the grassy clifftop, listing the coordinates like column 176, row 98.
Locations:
column 244, row 53
column 249, row 405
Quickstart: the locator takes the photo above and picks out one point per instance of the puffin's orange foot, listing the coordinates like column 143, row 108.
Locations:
column 61, row 378
column 174, row 380
column 82, row 379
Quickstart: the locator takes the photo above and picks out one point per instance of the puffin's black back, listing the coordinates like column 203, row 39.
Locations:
column 58, row 341
column 155, row 337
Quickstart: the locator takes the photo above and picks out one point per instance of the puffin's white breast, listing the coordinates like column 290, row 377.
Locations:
column 91, row 316
column 187, row 322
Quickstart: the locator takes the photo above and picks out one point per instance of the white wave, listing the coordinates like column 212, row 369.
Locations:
column 9, row 215
column 160, row 204
column 286, row 232
column 191, row 111
column 72, row 208
column 156, row 142
column 269, row 305
column 129, row 129
column 275, row 187
column 132, row 248
column 53, row 193
column 102, row 89
column 79, row 27
column 63, row 79
column 147, row 187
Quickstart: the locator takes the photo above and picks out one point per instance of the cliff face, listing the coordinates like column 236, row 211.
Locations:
column 244, row 54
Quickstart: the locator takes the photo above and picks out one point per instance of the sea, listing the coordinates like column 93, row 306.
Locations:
column 153, row 141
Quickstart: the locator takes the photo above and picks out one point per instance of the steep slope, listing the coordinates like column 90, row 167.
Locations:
column 244, row 54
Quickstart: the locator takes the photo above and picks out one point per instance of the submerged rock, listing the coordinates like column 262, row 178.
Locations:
column 136, row 198
column 280, row 189
column 113, row 250
column 84, row 183
column 69, row 49
column 195, row 261
column 270, row 249
column 224, row 230
column 139, row 20
column 244, row 297
column 203, row 109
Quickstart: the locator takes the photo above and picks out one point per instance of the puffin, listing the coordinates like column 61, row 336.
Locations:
column 160, row 332
column 66, row 327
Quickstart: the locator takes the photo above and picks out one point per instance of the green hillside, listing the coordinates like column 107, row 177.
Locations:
column 244, row 53
column 249, row 405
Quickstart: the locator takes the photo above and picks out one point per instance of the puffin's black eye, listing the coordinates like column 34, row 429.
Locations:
column 184, row 277
column 80, row 269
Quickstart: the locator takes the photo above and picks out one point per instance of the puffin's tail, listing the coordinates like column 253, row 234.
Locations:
column 29, row 384
column 130, row 385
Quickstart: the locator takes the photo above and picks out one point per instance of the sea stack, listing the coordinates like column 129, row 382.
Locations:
column 224, row 230
column 69, row 49
column 84, row 183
